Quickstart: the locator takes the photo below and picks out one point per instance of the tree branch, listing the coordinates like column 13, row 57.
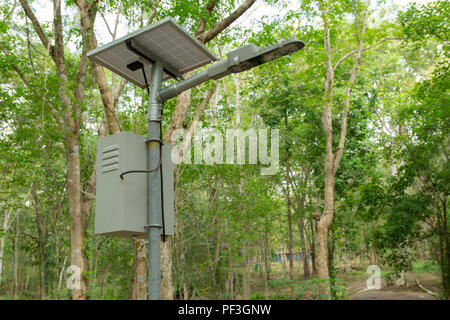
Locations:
column 113, row 35
column 29, row 45
column 155, row 11
column 107, row 25
column 52, row 110
column 218, row 28
column 343, row 133
column 72, row 115
column 81, row 78
column 118, row 90
column 9, row 14
column 364, row 49
column 87, row 18
column 202, row 25
column 88, row 13
column 37, row 27
column 327, row 124
column 89, row 194
column 198, row 114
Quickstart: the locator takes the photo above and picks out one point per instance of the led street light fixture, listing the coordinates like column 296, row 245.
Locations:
column 251, row 56
column 242, row 59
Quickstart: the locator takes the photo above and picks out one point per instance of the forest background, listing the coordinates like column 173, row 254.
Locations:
column 363, row 117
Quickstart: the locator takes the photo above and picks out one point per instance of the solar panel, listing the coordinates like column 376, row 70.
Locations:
column 164, row 41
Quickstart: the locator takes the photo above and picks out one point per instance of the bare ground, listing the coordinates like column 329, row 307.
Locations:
column 386, row 294
column 389, row 293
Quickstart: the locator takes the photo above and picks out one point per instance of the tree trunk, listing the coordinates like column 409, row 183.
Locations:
column 407, row 277
column 166, row 270
column 324, row 223
column 42, row 286
column 231, row 280
column 443, row 249
column 245, row 273
column 447, row 247
column 139, row 291
column 332, row 161
column 70, row 122
column 331, row 270
column 27, row 279
column 289, row 215
column 267, row 259
column 283, row 261
column 77, row 221
column 61, row 273
column 346, row 262
column 16, row 261
column 217, row 245
column 2, row 241
column 301, row 229
column 312, row 245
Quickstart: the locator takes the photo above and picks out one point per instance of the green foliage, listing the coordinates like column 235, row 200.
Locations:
column 230, row 218
column 257, row 296
column 280, row 283
column 313, row 285
column 420, row 22
column 401, row 229
column 426, row 266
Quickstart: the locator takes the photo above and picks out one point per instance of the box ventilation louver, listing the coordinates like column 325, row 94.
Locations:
column 110, row 158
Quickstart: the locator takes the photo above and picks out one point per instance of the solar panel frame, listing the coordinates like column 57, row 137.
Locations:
column 164, row 39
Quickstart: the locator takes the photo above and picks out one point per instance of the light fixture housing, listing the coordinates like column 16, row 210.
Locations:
column 242, row 59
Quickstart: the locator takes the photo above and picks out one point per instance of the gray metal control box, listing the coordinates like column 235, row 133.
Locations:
column 121, row 204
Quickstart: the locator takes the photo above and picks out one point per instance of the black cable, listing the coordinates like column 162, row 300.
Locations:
column 145, row 79
column 161, row 176
column 140, row 171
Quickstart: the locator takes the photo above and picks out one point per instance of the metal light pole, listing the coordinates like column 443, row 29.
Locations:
column 154, row 201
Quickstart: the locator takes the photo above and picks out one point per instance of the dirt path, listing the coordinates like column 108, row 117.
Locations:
column 357, row 289
column 387, row 293
column 394, row 294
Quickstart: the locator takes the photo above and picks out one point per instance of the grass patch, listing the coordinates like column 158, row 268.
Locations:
column 425, row 266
